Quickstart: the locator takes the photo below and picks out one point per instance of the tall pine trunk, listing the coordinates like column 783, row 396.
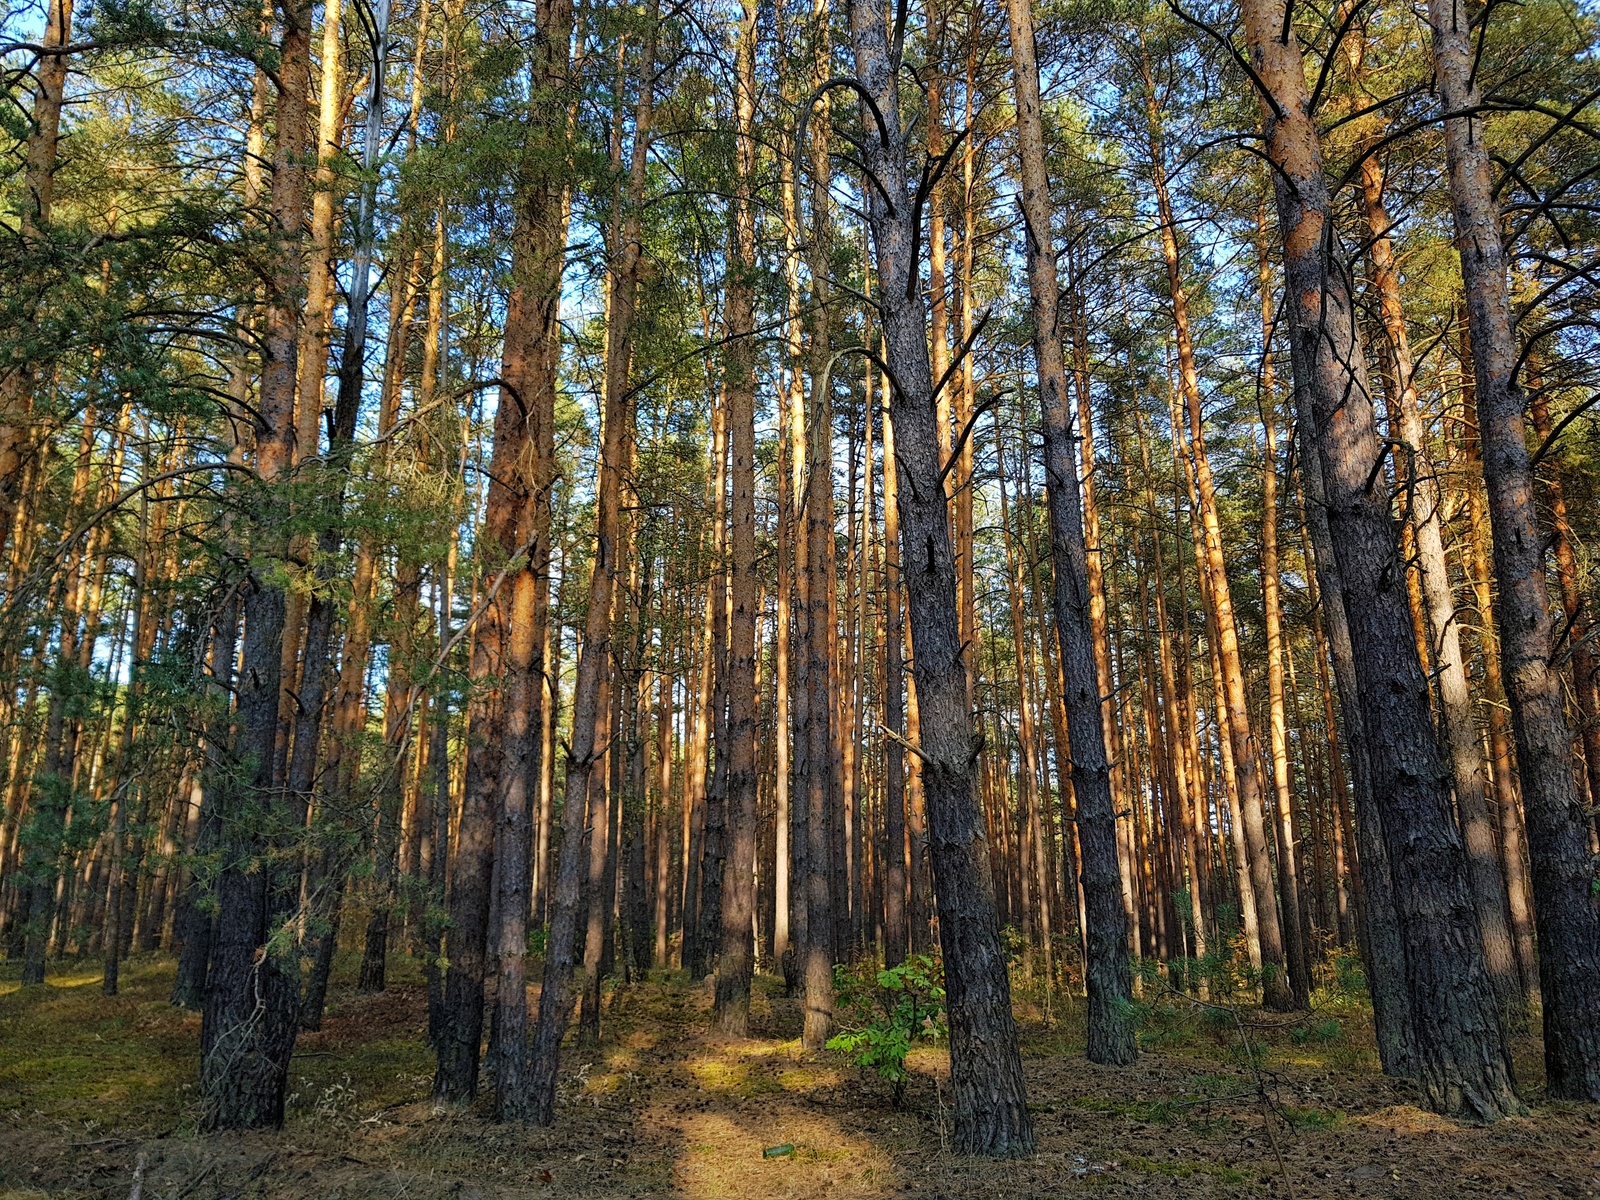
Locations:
column 1107, row 972
column 1465, row 1064
column 1565, row 902
column 252, row 989
column 583, row 807
column 991, row 1113
column 736, row 951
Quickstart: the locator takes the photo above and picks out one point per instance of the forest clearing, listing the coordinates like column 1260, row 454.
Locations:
column 667, row 1107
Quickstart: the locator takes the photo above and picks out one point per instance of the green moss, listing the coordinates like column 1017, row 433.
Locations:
column 71, row 1055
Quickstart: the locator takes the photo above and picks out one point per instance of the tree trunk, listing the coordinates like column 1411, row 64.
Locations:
column 1107, row 972
column 895, row 930
column 529, row 369
column 1585, row 672
column 581, row 818
column 39, row 176
column 991, row 1114
column 1296, row 927
column 1423, row 504
column 1382, row 945
column 1465, row 1064
column 735, row 963
column 252, row 990
column 1565, row 903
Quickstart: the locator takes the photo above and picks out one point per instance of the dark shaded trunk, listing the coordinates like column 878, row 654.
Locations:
column 1108, row 976
column 1423, row 505
column 196, row 920
column 736, row 948
column 324, row 944
column 583, row 813
column 1566, row 902
column 991, row 1111
column 1383, row 949
column 253, row 986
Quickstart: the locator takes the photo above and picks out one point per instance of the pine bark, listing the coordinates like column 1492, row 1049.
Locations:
column 1276, row 982
column 1423, row 504
column 252, row 990
column 39, row 176
column 1465, row 1065
column 991, row 1114
column 529, row 371
column 1565, row 902
column 1108, row 975
column 736, row 950
column 583, row 808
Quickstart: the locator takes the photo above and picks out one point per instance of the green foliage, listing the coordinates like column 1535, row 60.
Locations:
column 538, row 939
column 897, row 1008
column 1319, row 1033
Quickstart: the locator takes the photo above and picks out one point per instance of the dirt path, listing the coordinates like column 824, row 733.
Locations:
column 664, row 1107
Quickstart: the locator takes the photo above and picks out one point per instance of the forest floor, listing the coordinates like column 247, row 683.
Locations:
column 95, row 1092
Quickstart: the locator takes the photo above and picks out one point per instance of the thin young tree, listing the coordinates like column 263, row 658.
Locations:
column 1107, row 973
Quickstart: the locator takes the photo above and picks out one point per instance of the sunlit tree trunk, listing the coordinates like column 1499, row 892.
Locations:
column 1296, row 927
column 17, row 380
column 1276, row 982
column 1465, row 1066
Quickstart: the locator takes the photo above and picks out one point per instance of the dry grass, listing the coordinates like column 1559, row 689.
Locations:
column 665, row 1107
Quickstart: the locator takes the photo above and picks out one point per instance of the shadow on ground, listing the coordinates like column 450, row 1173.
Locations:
column 91, row 1088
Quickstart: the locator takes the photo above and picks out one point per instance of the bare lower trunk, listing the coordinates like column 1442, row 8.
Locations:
column 1383, row 949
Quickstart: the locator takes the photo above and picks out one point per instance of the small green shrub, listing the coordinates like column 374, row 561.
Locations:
column 1319, row 1033
column 890, row 1013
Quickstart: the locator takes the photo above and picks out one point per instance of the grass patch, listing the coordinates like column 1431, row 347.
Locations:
column 1311, row 1118
column 70, row 1055
column 1186, row 1170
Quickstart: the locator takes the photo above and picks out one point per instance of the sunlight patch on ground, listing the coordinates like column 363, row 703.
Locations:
column 723, row 1158
column 71, row 979
column 1407, row 1118
column 716, row 1075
